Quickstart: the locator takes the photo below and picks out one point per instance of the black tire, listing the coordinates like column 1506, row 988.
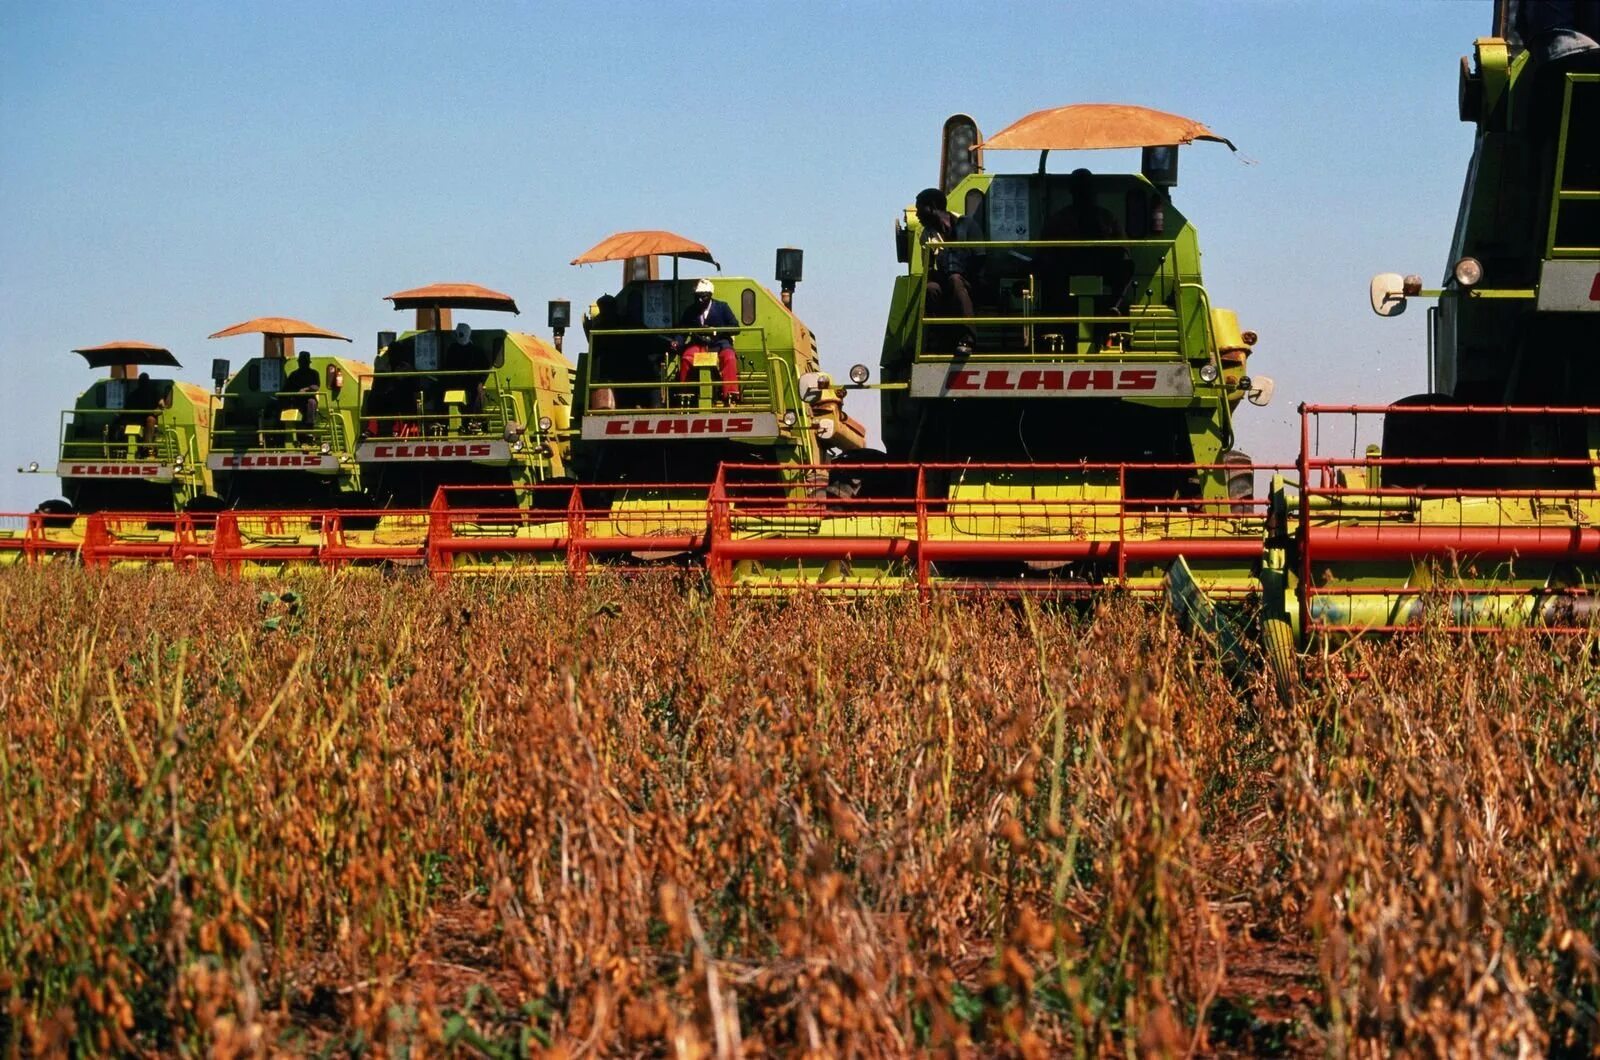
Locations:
column 56, row 506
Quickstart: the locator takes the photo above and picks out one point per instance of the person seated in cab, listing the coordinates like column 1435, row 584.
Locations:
column 949, row 291
column 469, row 356
column 303, row 380
column 629, row 359
column 708, row 312
column 1082, row 218
column 144, row 404
column 394, row 396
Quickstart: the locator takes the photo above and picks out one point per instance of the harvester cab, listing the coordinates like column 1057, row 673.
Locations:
column 455, row 404
column 283, row 427
column 132, row 442
column 1060, row 317
column 682, row 375
column 1477, row 509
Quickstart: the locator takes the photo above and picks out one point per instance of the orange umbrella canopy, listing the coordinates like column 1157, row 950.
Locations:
column 1092, row 126
column 284, row 327
column 127, row 352
column 625, row 245
column 453, row 296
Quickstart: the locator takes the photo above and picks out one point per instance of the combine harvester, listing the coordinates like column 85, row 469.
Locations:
column 283, row 438
column 1058, row 393
column 659, row 408
column 1480, row 509
column 132, row 454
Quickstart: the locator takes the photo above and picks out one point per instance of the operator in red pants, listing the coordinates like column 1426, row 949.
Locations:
column 708, row 312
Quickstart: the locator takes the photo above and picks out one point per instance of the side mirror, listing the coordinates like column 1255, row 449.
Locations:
column 219, row 372
column 813, row 385
column 560, row 314
column 902, row 243
column 386, row 339
column 1261, row 389
column 1388, row 292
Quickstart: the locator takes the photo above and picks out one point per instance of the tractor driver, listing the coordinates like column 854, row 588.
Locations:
column 303, row 380
column 707, row 312
column 145, row 404
column 948, row 291
column 1084, row 219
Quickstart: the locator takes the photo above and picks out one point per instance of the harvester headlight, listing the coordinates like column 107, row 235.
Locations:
column 517, row 446
column 1208, row 373
column 859, row 374
column 1468, row 272
column 177, row 464
column 790, row 417
column 33, row 467
column 546, row 423
column 327, row 450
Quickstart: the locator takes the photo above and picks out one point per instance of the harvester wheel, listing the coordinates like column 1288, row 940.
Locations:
column 58, row 506
column 1277, row 639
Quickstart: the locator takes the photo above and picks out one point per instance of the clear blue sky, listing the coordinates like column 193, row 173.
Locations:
column 169, row 169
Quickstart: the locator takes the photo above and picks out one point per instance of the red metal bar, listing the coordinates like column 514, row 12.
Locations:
column 1401, row 541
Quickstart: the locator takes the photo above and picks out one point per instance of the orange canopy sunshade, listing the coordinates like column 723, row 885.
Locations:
column 453, row 296
column 1093, row 126
column 283, row 327
column 127, row 352
column 625, row 245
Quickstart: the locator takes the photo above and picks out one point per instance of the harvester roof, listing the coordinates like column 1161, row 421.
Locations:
column 453, row 296
column 127, row 352
column 1096, row 126
column 283, row 327
column 625, row 245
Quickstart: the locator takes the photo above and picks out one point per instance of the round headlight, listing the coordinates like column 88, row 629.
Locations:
column 1249, row 338
column 516, row 446
column 859, row 374
column 326, row 449
column 1468, row 272
column 1208, row 373
column 545, row 423
column 790, row 418
column 33, row 466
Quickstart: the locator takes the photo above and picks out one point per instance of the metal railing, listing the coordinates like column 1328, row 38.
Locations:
column 452, row 421
column 119, row 435
column 271, row 433
column 1460, row 542
column 1066, row 336
column 1075, row 525
column 772, row 388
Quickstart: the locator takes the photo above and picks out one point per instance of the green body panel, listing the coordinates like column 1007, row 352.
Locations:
column 113, row 459
column 262, row 459
column 1034, row 310
column 634, row 426
column 1531, row 198
column 424, row 423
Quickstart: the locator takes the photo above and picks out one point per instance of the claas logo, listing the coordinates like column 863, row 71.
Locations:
column 1052, row 380
column 682, row 425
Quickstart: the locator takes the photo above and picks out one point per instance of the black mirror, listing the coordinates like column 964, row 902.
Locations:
column 385, row 340
column 219, row 371
column 902, row 244
column 560, row 318
column 790, row 265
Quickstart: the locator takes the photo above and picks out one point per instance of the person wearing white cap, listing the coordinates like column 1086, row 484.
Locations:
column 708, row 312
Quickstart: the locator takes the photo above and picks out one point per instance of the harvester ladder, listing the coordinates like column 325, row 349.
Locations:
column 1582, row 94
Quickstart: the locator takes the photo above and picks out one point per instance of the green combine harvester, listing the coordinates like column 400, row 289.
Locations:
column 454, row 405
column 1058, row 391
column 283, row 427
column 1478, row 509
column 664, row 399
column 132, row 452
